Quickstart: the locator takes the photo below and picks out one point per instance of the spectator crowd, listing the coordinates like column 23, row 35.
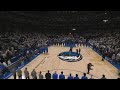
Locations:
column 13, row 44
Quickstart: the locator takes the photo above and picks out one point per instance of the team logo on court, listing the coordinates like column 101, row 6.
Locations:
column 70, row 56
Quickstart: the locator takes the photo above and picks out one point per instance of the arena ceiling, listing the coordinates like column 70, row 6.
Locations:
column 61, row 19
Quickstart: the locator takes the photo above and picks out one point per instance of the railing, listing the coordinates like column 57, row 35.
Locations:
column 117, row 65
column 17, row 63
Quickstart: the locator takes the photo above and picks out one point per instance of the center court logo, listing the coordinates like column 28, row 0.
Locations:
column 70, row 56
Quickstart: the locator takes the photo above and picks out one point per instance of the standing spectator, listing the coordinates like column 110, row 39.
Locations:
column 61, row 76
column 103, row 77
column 19, row 73
column 48, row 75
column 84, row 76
column 70, row 76
column 55, row 75
column 34, row 74
column 40, row 75
column 76, row 77
column 26, row 73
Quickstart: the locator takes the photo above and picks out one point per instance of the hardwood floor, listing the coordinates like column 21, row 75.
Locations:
column 53, row 63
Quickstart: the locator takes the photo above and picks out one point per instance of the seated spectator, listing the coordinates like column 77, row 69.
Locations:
column 40, row 75
column 70, row 77
column 1, row 58
column 61, row 76
column 76, row 77
column 113, row 58
column 1, row 72
column 48, row 75
column 2, row 66
column 55, row 75
column 84, row 76
column 117, row 58
column 9, row 62
column 5, row 64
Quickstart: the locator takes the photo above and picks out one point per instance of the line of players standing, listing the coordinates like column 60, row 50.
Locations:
column 86, row 44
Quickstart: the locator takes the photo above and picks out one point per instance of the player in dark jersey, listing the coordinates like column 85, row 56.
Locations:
column 71, row 49
column 79, row 50
column 89, row 67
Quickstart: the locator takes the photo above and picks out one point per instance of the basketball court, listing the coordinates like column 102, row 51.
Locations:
column 45, row 62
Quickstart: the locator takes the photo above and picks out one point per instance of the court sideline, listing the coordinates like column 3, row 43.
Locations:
column 53, row 63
